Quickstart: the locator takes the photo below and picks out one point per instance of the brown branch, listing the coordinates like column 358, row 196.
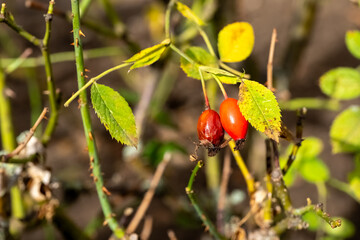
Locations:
column 148, row 195
column 32, row 130
column 269, row 82
column 146, row 231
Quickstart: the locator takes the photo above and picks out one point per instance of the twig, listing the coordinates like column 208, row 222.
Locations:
column 244, row 170
column 43, row 7
column 146, row 231
column 29, row 135
column 222, row 192
column 15, row 64
column 171, row 235
column 269, row 82
column 148, row 195
column 85, row 115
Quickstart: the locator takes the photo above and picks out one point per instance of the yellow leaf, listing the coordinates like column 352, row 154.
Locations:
column 236, row 42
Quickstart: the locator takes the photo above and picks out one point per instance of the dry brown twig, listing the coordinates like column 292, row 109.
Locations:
column 148, row 195
column 146, row 231
column 32, row 130
column 269, row 82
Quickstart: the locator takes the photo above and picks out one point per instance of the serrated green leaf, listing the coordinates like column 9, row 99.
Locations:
column 189, row 14
column 346, row 230
column 260, row 108
column 236, row 42
column 202, row 58
column 352, row 40
column 314, row 170
column 341, row 83
column 224, row 76
column 345, row 131
column 149, row 55
column 115, row 113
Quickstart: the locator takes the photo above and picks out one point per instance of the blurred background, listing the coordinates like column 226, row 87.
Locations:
column 167, row 104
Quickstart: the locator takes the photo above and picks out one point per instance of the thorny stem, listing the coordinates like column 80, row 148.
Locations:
column 92, row 80
column 90, row 139
column 190, row 192
column 244, row 170
column 318, row 209
column 49, row 77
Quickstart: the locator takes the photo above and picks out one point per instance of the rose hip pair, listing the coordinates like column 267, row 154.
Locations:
column 211, row 126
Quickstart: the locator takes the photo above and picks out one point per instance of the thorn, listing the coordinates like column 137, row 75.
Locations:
column 86, row 76
column 91, row 159
column 95, row 179
column 81, row 33
column 87, row 70
column 77, row 42
column 105, row 223
column 91, row 175
column 82, row 74
column 72, row 31
column 72, row 44
column 90, row 136
column 106, row 191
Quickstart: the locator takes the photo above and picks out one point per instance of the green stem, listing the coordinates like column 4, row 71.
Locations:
column 207, row 106
column 344, row 187
column 220, row 86
column 90, row 138
column 92, row 80
column 49, row 77
column 7, row 129
column 8, row 20
column 233, row 71
column 190, row 192
column 207, row 41
column 182, row 54
column 167, row 18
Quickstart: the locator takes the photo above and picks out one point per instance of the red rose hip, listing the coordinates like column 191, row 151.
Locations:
column 232, row 120
column 209, row 127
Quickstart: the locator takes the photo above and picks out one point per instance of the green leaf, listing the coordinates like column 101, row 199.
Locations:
column 260, row 108
column 346, row 230
column 354, row 178
column 154, row 151
column 236, row 42
column 224, row 76
column 352, row 40
column 313, row 220
column 202, row 58
column 341, row 83
column 189, row 14
column 314, row 170
column 345, row 131
column 115, row 113
column 311, row 147
column 149, row 55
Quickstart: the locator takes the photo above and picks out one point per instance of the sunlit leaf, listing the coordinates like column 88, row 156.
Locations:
column 188, row 13
column 260, row 108
column 341, row 83
column 115, row 113
column 201, row 58
column 314, row 170
column 311, row 147
column 149, row 55
column 236, row 42
column 352, row 40
column 345, row 131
